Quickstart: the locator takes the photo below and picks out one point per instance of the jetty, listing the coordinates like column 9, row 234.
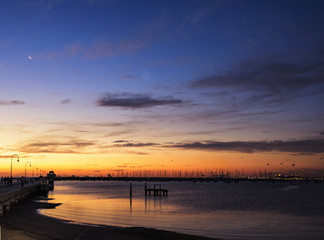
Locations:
column 17, row 189
column 156, row 190
column 11, row 195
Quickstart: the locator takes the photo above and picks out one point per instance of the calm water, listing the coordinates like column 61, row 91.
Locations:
column 219, row 210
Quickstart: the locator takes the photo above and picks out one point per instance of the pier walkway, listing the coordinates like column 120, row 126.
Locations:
column 15, row 186
column 10, row 195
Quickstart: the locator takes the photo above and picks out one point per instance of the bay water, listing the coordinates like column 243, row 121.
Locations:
column 243, row 210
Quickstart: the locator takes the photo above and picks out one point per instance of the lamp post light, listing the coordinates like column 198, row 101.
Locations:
column 26, row 166
column 15, row 155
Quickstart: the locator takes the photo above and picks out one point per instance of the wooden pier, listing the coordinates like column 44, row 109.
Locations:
column 156, row 190
column 13, row 194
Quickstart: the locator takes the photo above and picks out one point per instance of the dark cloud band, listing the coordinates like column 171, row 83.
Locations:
column 128, row 100
column 311, row 146
column 308, row 146
column 74, row 146
column 270, row 75
column 14, row 102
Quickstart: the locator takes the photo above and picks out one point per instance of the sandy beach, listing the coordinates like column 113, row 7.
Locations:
column 24, row 222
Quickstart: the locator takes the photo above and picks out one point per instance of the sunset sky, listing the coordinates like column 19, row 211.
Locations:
column 90, row 87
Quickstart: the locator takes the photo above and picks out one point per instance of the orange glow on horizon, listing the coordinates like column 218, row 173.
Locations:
column 187, row 161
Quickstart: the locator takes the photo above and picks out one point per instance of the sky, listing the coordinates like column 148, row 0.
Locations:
column 91, row 87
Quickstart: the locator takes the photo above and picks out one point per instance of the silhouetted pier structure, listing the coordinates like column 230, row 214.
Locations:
column 11, row 195
column 17, row 189
column 156, row 190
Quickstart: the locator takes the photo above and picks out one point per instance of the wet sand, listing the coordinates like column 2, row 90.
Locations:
column 23, row 222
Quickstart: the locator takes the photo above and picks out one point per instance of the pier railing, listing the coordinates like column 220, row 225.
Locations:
column 156, row 190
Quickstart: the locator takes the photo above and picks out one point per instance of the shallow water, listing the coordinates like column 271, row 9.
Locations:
column 219, row 210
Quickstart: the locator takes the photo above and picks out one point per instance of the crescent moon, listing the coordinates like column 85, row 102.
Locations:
column 29, row 57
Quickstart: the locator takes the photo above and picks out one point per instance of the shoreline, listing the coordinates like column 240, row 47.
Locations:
column 25, row 223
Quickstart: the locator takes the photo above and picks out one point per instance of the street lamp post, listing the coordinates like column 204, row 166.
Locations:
column 15, row 155
column 26, row 166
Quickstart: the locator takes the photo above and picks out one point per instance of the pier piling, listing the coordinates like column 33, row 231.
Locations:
column 130, row 190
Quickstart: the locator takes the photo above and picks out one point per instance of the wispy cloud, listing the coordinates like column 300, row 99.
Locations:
column 310, row 146
column 136, row 153
column 109, row 49
column 267, row 74
column 97, row 50
column 299, row 147
column 72, row 146
column 130, row 100
column 303, row 146
column 130, row 144
column 106, row 124
column 128, row 76
column 14, row 102
column 269, row 79
column 66, row 101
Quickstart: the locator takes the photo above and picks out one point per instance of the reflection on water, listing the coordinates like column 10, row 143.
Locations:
column 192, row 208
column 116, row 211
